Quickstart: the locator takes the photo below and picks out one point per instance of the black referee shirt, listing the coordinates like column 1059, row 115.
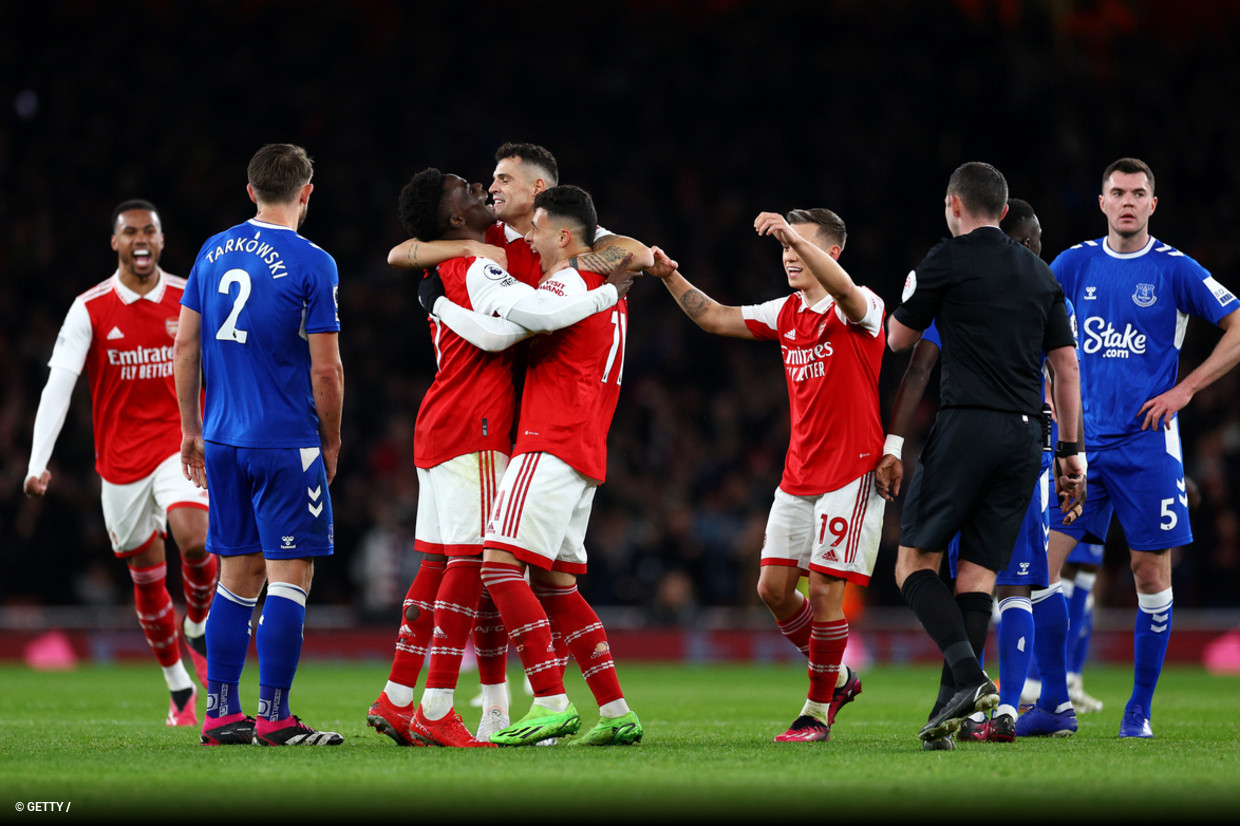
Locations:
column 999, row 310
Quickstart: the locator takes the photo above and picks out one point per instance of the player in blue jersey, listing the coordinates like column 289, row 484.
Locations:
column 1133, row 296
column 260, row 322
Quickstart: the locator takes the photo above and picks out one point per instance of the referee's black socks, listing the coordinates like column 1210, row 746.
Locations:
column 950, row 621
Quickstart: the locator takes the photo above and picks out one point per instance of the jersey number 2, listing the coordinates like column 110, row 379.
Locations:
column 228, row 330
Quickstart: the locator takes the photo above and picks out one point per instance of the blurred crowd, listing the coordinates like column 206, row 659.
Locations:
column 684, row 120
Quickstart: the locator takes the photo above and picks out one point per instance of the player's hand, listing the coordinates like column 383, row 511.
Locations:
column 621, row 277
column 194, row 460
column 1070, row 486
column 888, row 476
column 663, row 266
column 430, row 290
column 36, row 486
column 331, row 456
column 772, row 223
column 1161, row 408
column 497, row 254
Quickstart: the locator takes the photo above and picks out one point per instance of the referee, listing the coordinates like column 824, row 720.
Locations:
column 998, row 309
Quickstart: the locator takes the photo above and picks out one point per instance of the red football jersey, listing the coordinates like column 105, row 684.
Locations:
column 832, row 371
column 572, row 382
column 125, row 340
column 523, row 262
column 471, row 403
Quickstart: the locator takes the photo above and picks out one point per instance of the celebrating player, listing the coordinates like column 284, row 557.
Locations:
column 464, row 425
column 827, row 516
column 121, row 331
column 522, row 170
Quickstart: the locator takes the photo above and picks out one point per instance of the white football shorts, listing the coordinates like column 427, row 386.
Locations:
column 135, row 512
column 835, row 533
column 454, row 498
column 541, row 513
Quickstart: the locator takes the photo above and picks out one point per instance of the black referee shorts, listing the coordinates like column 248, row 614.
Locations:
column 975, row 476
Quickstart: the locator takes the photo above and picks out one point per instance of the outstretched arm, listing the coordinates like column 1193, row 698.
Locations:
column 421, row 255
column 610, row 250
column 710, row 315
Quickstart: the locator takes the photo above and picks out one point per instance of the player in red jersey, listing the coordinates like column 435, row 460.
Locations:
column 522, row 170
column 542, row 508
column 826, row 520
column 463, row 431
column 121, row 331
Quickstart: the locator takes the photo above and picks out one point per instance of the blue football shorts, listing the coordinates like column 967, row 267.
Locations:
column 273, row 500
column 1141, row 483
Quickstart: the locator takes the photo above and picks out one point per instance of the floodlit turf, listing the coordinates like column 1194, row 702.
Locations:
column 94, row 738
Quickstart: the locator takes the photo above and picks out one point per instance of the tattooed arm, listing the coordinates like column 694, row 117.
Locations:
column 609, row 250
column 707, row 313
column 422, row 255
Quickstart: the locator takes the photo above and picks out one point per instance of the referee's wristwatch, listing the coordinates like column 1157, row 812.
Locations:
column 1065, row 449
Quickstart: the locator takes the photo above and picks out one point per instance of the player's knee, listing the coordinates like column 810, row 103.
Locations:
column 775, row 598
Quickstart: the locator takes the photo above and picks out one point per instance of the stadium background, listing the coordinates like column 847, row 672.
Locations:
column 684, row 119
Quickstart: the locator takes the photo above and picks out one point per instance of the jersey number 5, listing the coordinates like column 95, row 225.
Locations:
column 228, row 330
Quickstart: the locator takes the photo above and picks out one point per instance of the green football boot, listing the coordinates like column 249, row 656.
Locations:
column 539, row 724
column 624, row 730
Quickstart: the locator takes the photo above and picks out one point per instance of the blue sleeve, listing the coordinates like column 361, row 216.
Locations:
column 322, row 298
column 1199, row 294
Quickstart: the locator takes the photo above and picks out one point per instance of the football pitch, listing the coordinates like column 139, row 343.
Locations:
column 93, row 738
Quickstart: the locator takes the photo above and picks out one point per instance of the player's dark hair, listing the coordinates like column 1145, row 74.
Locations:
column 418, row 205
column 278, row 171
column 981, row 187
column 132, row 203
column 1019, row 213
column 572, row 203
column 1128, row 166
column 830, row 226
column 532, row 153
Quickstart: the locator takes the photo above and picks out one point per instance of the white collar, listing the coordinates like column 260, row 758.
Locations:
column 1137, row 254
column 128, row 296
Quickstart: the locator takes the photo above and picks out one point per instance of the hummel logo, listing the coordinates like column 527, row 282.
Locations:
column 1090, row 294
column 115, row 334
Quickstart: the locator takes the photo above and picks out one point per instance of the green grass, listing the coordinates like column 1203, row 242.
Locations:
column 94, row 737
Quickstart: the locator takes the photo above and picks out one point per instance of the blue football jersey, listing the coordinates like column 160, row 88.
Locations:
column 1132, row 312
column 261, row 289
